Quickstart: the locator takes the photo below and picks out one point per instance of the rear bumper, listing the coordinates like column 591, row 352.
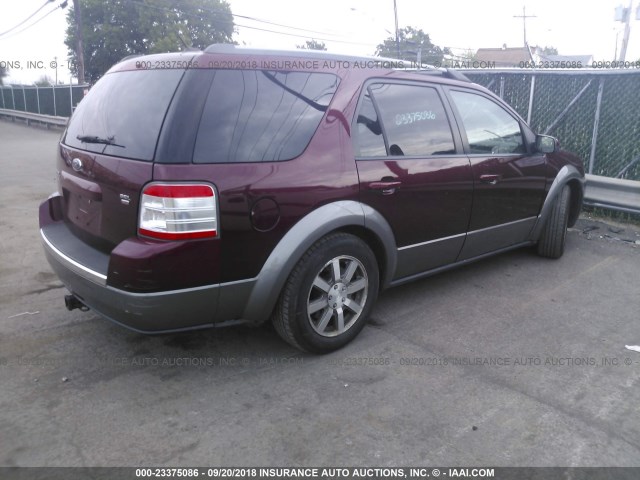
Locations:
column 84, row 271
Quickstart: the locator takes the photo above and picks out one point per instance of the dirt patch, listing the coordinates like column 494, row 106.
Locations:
column 596, row 228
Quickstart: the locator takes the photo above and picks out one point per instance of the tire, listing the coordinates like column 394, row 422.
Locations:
column 328, row 295
column 554, row 232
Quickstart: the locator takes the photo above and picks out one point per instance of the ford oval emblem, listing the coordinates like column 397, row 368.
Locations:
column 76, row 164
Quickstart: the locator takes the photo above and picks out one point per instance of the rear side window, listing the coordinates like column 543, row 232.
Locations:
column 122, row 114
column 370, row 141
column 261, row 116
column 413, row 120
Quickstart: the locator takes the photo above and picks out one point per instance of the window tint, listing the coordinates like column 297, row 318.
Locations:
column 259, row 116
column 414, row 120
column 125, row 109
column 490, row 128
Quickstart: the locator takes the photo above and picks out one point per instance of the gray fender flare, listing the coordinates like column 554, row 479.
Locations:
column 564, row 176
column 301, row 237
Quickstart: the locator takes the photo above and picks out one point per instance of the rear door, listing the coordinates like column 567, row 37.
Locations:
column 413, row 171
column 106, row 154
column 508, row 176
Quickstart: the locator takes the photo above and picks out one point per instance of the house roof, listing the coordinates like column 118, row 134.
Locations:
column 514, row 57
column 504, row 57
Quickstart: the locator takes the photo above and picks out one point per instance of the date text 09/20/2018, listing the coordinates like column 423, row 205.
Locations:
column 314, row 472
column 599, row 64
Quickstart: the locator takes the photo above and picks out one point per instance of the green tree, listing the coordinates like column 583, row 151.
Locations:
column 44, row 81
column 312, row 45
column 411, row 43
column 115, row 29
column 469, row 55
column 550, row 51
column 459, row 61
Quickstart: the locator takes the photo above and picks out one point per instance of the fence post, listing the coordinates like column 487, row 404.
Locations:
column 70, row 98
column 24, row 99
column 13, row 97
column 38, row 96
column 502, row 87
column 55, row 113
column 596, row 122
column 2, row 92
column 533, row 87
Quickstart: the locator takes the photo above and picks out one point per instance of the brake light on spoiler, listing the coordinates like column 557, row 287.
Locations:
column 178, row 211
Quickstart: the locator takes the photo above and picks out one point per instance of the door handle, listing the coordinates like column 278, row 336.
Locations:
column 388, row 188
column 490, row 179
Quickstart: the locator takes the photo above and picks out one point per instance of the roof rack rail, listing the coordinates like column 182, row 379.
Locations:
column 129, row 57
column 456, row 75
column 221, row 48
column 230, row 49
column 444, row 72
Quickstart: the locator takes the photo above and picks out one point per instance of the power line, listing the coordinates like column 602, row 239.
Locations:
column 245, row 17
column 257, row 28
column 62, row 5
column 280, row 24
column 303, row 36
column 26, row 19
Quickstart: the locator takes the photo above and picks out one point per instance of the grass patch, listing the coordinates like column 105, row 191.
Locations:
column 609, row 216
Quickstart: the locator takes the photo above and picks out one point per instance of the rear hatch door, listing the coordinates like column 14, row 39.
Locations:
column 106, row 154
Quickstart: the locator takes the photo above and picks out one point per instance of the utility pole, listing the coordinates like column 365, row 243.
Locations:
column 395, row 14
column 524, row 17
column 627, row 31
column 79, row 49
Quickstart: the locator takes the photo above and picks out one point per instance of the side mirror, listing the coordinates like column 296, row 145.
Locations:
column 545, row 143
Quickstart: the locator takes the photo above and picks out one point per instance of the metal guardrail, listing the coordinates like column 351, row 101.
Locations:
column 613, row 193
column 47, row 120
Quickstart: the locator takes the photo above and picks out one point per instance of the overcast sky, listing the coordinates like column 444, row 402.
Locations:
column 574, row 27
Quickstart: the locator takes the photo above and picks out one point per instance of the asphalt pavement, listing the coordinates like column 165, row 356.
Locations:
column 512, row 361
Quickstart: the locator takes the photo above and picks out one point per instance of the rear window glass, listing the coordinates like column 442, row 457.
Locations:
column 122, row 114
column 260, row 116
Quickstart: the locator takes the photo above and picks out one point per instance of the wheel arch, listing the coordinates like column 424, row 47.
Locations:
column 568, row 175
column 375, row 244
column 577, row 194
column 345, row 216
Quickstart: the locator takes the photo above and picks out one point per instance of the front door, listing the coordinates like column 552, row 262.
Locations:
column 509, row 178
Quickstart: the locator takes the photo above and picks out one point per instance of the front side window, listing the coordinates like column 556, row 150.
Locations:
column 414, row 120
column 490, row 128
column 261, row 116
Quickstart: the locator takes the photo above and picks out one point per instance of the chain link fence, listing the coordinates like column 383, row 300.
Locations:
column 59, row 100
column 595, row 114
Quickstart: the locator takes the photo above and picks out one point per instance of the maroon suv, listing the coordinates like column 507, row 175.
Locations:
column 234, row 185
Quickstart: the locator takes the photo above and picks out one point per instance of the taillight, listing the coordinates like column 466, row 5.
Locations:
column 178, row 212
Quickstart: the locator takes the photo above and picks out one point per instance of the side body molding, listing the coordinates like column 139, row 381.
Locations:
column 302, row 236
column 566, row 174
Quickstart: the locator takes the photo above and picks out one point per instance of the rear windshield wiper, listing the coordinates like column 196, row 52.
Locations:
column 95, row 139
column 307, row 100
